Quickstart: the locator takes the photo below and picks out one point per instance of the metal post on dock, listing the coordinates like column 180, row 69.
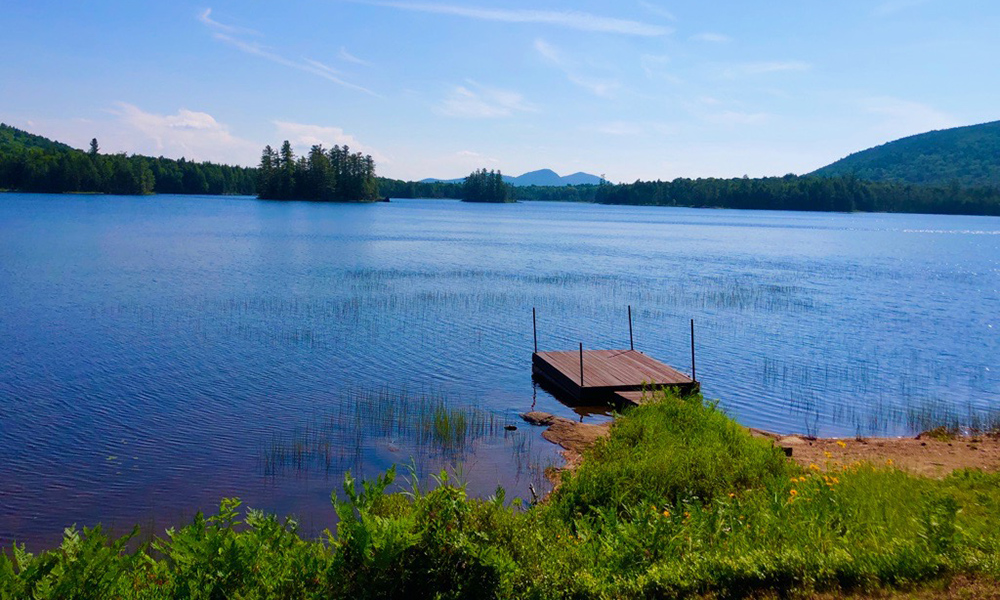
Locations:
column 693, row 376
column 631, row 344
column 581, row 366
column 534, row 328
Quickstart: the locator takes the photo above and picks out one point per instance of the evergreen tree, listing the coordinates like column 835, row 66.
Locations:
column 486, row 186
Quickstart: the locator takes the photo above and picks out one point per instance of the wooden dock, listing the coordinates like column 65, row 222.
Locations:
column 606, row 376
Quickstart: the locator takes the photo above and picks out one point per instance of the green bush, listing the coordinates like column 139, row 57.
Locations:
column 678, row 501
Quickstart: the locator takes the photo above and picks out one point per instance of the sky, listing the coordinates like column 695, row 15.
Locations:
column 632, row 89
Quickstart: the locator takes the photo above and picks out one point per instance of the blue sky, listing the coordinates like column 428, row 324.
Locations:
column 645, row 89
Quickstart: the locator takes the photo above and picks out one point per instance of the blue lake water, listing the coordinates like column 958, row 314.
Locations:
column 160, row 353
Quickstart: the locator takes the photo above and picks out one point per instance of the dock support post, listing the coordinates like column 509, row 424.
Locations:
column 693, row 376
column 631, row 344
column 534, row 328
column 581, row 367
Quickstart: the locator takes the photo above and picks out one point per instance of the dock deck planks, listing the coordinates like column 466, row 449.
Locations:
column 605, row 373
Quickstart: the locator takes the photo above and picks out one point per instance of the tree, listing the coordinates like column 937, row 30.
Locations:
column 93, row 148
column 335, row 174
column 486, row 186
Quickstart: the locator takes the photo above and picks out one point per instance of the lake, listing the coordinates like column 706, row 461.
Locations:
column 160, row 353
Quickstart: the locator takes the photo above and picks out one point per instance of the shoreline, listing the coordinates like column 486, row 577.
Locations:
column 935, row 454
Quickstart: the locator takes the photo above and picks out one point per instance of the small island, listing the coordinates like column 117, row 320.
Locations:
column 487, row 186
column 335, row 175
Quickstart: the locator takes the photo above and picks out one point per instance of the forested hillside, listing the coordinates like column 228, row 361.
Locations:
column 966, row 156
column 809, row 192
column 31, row 163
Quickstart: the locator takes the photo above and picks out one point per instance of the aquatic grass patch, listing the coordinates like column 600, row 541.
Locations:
column 428, row 426
column 678, row 501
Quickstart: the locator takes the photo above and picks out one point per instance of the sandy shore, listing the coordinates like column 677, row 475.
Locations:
column 926, row 455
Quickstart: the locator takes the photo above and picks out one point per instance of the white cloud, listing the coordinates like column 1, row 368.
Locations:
column 569, row 19
column 228, row 35
column 732, row 117
column 764, row 68
column 205, row 17
column 466, row 156
column 481, row 102
column 657, row 10
column 715, row 38
column 633, row 128
column 303, row 136
column 347, row 56
column 654, row 66
column 321, row 67
column 191, row 134
column 599, row 86
column 891, row 7
column 904, row 117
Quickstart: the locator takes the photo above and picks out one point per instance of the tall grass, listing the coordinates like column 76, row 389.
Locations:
column 678, row 501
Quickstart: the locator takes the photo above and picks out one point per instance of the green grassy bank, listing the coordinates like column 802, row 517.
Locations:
column 678, row 501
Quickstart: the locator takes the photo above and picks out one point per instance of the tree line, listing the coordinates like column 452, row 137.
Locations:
column 808, row 192
column 31, row 163
column 335, row 175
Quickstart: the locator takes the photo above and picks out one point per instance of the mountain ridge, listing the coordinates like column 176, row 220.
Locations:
column 967, row 156
column 540, row 177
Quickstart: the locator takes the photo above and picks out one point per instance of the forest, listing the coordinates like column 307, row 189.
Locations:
column 31, row 163
column 487, row 186
column 336, row 175
column 844, row 193
column 966, row 156
column 397, row 188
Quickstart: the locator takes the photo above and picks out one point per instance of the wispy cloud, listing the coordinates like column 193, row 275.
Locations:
column 475, row 101
column 891, row 7
column 471, row 155
column 205, row 17
column 733, row 117
column 764, row 68
column 596, row 85
column 569, row 19
column 192, row 134
column 347, row 56
column 657, row 10
column 303, row 136
column 714, row 38
column 632, row 128
column 229, row 35
column 655, row 67
column 906, row 117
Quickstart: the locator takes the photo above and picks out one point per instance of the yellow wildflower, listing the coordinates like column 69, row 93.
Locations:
column 732, row 494
column 842, row 443
column 793, row 492
column 814, row 466
column 666, row 513
column 828, row 454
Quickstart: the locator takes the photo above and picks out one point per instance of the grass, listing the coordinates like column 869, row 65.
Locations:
column 428, row 424
column 678, row 501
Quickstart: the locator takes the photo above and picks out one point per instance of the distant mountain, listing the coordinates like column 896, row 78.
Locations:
column 968, row 156
column 542, row 177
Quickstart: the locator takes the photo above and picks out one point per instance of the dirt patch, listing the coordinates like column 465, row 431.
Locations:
column 573, row 436
column 926, row 455
column 960, row 587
